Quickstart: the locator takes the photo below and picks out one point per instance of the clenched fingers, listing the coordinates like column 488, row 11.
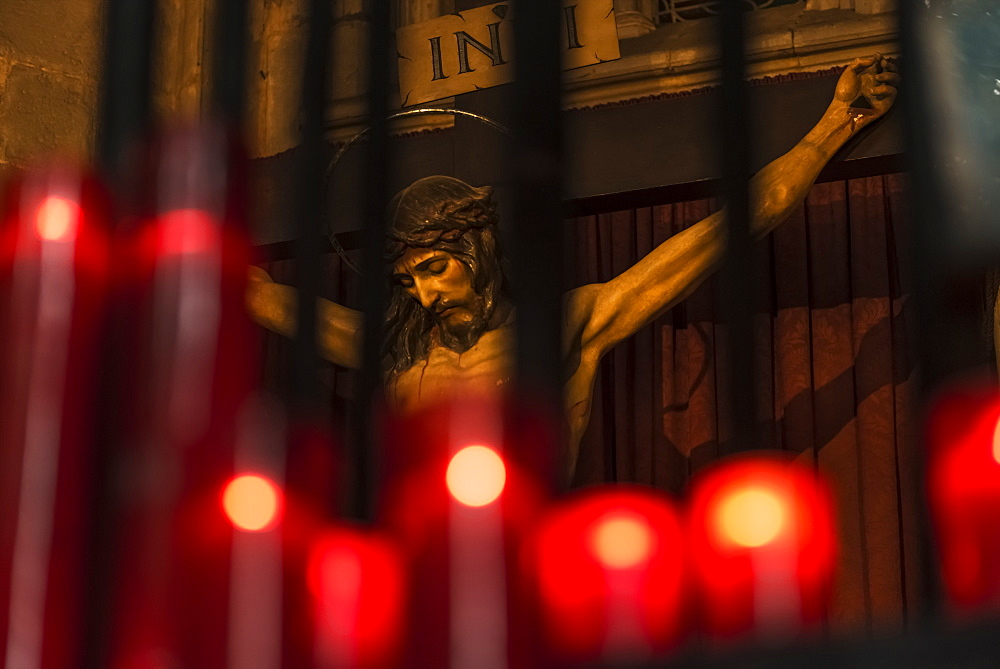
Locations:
column 883, row 91
column 890, row 78
column 860, row 64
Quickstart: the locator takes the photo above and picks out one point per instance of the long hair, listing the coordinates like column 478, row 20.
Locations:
column 449, row 215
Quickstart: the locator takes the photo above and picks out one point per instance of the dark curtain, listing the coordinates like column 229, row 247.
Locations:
column 834, row 384
column 834, row 376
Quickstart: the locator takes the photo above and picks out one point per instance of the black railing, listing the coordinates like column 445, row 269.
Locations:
column 536, row 164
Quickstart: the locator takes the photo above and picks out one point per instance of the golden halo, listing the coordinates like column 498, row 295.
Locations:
column 334, row 242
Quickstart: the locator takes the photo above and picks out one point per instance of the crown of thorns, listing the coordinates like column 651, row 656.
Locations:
column 438, row 215
column 447, row 233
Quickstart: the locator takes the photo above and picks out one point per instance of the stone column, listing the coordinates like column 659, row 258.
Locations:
column 50, row 57
column 829, row 4
column 278, row 36
column 418, row 11
column 350, row 48
column 874, row 6
column 860, row 6
column 634, row 17
column 181, row 61
column 350, row 60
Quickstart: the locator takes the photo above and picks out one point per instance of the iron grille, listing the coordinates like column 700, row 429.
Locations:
column 674, row 11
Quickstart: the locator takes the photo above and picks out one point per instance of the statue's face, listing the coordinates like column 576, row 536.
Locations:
column 442, row 285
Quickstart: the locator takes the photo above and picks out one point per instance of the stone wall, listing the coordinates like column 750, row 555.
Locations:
column 278, row 32
column 50, row 52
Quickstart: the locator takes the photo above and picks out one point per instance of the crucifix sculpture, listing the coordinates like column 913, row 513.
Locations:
column 449, row 327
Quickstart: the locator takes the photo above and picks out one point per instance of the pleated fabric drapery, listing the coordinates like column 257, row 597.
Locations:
column 834, row 375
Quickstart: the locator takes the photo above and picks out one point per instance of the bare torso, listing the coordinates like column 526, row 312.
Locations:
column 486, row 370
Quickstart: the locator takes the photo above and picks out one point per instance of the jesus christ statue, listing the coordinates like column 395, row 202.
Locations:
column 449, row 329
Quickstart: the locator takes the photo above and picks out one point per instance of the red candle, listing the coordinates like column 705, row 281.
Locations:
column 191, row 414
column 357, row 581
column 254, row 503
column 963, row 483
column 459, row 504
column 54, row 288
column 608, row 569
column 763, row 547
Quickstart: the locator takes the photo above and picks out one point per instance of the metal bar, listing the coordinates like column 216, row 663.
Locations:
column 535, row 165
column 124, row 116
column 734, row 153
column 931, row 330
column 125, row 95
column 304, row 389
column 375, row 291
column 230, row 60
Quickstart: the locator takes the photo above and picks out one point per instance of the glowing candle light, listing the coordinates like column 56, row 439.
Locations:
column 763, row 547
column 358, row 586
column 963, row 485
column 194, row 349
column 476, row 476
column 608, row 567
column 996, row 442
column 750, row 517
column 458, row 506
column 622, row 540
column 252, row 502
column 189, row 231
column 57, row 219
column 55, row 287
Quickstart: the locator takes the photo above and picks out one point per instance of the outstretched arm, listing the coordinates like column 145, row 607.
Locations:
column 605, row 314
column 273, row 306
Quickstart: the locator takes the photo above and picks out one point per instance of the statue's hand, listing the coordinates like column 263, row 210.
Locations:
column 866, row 90
column 257, row 276
column 257, row 279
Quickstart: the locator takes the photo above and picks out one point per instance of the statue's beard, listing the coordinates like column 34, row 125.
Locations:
column 461, row 335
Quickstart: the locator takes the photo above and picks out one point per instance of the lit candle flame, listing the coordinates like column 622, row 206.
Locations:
column 57, row 219
column 476, row 476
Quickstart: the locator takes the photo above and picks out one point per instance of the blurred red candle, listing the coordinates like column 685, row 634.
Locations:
column 358, row 586
column 459, row 503
column 763, row 547
column 54, row 289
column 608, row 570
column 963, row 483
column 192, row 416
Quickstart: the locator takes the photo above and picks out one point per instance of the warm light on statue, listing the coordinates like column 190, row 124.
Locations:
column 450, row 319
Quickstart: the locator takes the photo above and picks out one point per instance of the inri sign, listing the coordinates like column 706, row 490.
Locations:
column 459, row 53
